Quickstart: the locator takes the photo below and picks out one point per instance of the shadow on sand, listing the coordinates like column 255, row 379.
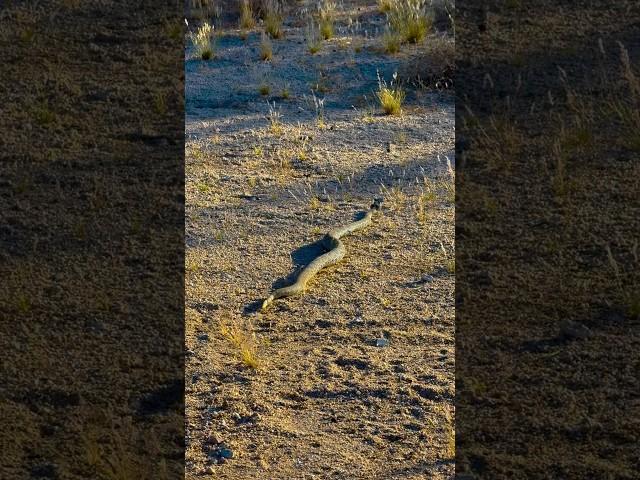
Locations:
column 301, row 257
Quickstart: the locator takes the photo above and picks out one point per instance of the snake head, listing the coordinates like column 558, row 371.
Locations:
column 377, row 204
column 267, row 302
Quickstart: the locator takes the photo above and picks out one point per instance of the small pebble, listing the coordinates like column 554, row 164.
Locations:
column 382, row 342
column 214, row 439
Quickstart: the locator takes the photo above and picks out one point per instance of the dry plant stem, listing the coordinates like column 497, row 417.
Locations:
column 336, row 252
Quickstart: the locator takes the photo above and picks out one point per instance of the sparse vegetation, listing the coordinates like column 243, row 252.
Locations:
column 390, row 96
column 318, row 104
column 385, row 5
column 260, row 200
column 203, row 9
column 410, row 19
column 247, row 20
column 423, row 201
column 285, row 93
column 264, row 89
column 202, row 42
column 266, row 47
column 273, row 18
column 243, row 339
column 434, row 65
column 391, row 41
column 312, row 37
column 394, row 197
column 275, row 125
column 450, row 435
column 326, row 15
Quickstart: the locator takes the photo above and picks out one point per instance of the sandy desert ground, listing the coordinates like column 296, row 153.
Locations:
column 355, row 379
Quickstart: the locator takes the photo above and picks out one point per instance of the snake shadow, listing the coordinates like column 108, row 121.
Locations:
column 301, row 257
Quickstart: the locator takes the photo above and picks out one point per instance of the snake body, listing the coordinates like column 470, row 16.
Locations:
column 335, row 253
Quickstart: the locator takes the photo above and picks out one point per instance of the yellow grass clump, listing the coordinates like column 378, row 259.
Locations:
column 390, row 96
column 202, row 42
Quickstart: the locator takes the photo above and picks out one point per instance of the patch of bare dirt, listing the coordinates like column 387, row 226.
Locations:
column 547, row 232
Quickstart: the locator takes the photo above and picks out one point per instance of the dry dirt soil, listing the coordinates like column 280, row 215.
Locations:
column 302, row 390
column 91, row 232
column 547, row 222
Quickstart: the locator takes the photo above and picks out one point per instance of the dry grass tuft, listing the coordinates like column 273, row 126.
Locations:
column 385, row 6
column 244, row 340
column 285, row 93
column 266, row 47
column 202, row 42
column 247, row 20
column 312, row 37
column 273, row 18
column 391, row 41
column 275, row 125
column 264, row 89
column 326, row 15
column 450, row 436
column 390, row 96
column 410, row 19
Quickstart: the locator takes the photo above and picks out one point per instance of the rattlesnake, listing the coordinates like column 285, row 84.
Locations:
column 335, row 252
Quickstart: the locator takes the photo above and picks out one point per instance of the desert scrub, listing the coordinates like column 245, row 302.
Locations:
column 264, row 89
column 274, row 116
column 424, row 204
column 266, row 48
column 243, row 340
column 385, row 5
column 410, row 19
column 285, row 93
column 326, row 16
column 318, row 104
column 273, row 18
column 247, row 21
column 312, row 37
column 391, row 41
column 202, row 43
column 390, row 96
